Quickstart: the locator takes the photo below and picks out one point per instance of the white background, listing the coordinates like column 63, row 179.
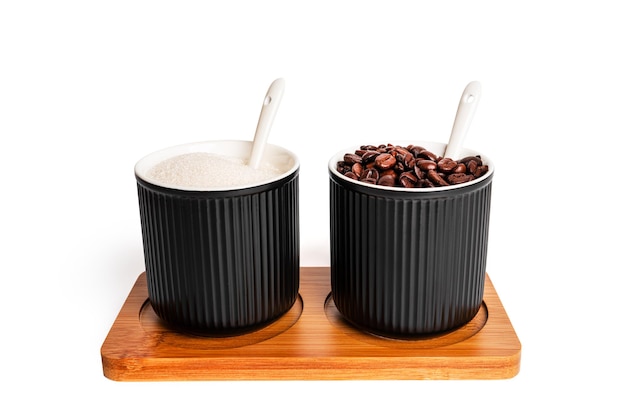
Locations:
column 88, row 88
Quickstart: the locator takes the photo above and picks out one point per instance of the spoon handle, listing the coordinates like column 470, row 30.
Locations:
column 266, row 118
column 464, row 114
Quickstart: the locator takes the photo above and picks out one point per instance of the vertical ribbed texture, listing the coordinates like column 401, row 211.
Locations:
column 218, row 263
column 408, row 263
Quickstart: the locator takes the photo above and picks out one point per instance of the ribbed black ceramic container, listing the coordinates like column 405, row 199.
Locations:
column 408, row 262
column 221, row 261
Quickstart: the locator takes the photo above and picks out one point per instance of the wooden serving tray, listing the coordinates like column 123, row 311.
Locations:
column 310, row 342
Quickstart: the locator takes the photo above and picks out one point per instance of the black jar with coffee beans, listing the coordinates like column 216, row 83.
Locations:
column 408, row 257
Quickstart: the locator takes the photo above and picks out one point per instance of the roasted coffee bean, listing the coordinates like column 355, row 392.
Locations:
column 401, row 150
column 458, row 178
column 482, row 169
column 426, row 165
column 472, row 165
column 407, row 179
column 391, row 172
column 426, row 183
column 415, row 149
column 369, row 156
column 476, row 159
column 427, row 155
column 409, row 161
column 342, row 167
column 370, row 173
column 357, row 169
column 446, row 165
column 386, row 180
column 460, row 168
column 352, row 158
column 385, row 161
column 436, row 178
column 412, row 166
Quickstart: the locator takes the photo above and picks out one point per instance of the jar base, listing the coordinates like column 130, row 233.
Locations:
column 410, row 340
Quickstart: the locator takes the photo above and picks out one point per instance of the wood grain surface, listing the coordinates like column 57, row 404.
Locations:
column 310, row 342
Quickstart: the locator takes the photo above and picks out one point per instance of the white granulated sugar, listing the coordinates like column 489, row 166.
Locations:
column 206, row 170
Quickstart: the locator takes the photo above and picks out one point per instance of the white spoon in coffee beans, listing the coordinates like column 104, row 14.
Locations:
column 464, row 115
